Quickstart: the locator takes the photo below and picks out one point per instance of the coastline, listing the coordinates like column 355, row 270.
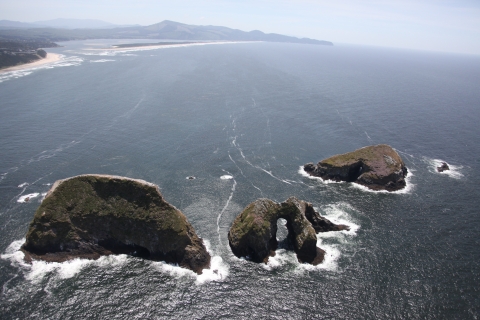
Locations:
column 51, row 57
column 160, row 46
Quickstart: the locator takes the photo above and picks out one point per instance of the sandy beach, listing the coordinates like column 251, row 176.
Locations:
column 51, row 57
column 161, row 46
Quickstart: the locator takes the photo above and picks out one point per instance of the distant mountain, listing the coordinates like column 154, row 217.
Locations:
column 8, row 24
column 75, row 24
column 179, row 31
column 168, row 30
column 62, row 24
column 79, row 24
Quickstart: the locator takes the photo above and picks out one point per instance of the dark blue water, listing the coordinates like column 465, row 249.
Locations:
column 242, row 118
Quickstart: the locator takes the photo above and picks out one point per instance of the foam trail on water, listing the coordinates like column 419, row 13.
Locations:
column 102, row 60
column 260, row 168
column 229, row 177
column 241, row 172
column 46, row 154
column 369, row 139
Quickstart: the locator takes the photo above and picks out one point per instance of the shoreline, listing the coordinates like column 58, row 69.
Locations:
column 169, row 45
column 51, row 57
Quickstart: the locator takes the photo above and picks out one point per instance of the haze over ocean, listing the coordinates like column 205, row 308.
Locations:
column 243, row 118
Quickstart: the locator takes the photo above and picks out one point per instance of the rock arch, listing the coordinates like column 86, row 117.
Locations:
column 253, row 233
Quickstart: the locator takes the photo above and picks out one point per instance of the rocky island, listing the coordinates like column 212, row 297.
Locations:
column 253, row 233
column 89, row 216
column 375, row 167
column 443, row 167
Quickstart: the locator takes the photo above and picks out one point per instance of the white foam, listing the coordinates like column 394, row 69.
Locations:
column 453, row 172
column 333, row 242
column 306, row 175
column 23, row 185
column 226, row 177
column 282, row 258
column 407, row 190
column 63, row 62
column 218, row 270
column 27, row 197
column 330, row 262
column 37, row 270
column 338, row 214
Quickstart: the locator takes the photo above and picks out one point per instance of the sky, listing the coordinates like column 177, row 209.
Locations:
column 434, row 25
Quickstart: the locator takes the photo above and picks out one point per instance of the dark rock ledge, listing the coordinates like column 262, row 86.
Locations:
column 375, row 167
column 90, row 216
column 253, row 233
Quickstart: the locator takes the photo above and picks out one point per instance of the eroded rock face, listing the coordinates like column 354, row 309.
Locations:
column 375, row 167
column 93, row 215
column 253, row 233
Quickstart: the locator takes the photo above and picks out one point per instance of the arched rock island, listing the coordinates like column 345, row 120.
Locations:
column 253, row 233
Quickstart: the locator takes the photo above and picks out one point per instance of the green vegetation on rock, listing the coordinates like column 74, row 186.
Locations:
column 376, row 167
column 92, row 215
column 253, row 233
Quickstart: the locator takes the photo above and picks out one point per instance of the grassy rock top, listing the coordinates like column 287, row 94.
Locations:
column 92, row 215
column 376, row 167
column 382, row 158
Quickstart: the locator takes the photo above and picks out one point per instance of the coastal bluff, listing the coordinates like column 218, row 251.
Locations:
column 253, row 232
column 376, row 167
column 89, row 216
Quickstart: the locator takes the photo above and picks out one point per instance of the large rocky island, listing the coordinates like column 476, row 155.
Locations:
column 253, row 233
column 375, row 167
column 93, row 215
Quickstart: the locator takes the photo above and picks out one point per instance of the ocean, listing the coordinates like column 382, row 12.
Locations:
column 243, row 118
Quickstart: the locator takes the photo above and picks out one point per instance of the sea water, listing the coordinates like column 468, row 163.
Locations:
column 242, row 118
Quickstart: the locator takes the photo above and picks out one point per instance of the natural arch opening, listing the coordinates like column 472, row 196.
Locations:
column 283, row 235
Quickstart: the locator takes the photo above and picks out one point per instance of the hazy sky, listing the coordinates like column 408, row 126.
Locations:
column 443, row 25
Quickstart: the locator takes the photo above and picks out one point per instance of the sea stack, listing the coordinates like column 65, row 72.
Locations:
column 375, row 167
column 443, row 167
column 253, row 233
column 89, row 216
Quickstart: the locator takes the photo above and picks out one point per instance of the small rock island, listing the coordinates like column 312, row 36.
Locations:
column 253, row 233
column 89, row 216
column 375, row 167
column 443, row 167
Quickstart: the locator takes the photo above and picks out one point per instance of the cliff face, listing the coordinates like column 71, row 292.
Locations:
column 93, row 215
column 376, row 167
column 253, row 233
